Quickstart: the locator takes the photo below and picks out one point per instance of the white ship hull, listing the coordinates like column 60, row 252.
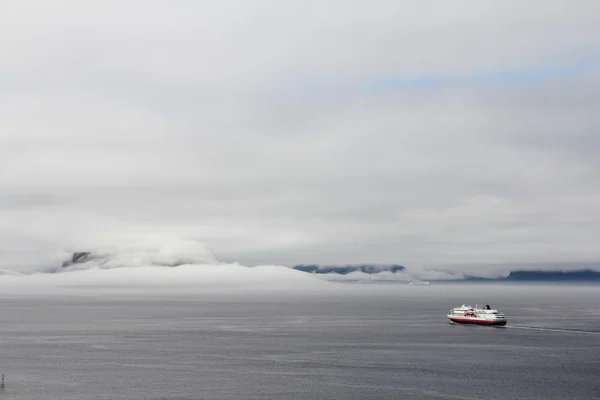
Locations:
column 415, row 282
column 478, row 315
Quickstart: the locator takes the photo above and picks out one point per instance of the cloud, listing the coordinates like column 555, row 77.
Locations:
column 157, row 265
column 256, row 130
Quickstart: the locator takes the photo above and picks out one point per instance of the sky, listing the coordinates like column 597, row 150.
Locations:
column 429, row 134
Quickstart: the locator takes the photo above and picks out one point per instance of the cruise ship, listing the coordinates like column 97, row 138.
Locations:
column 418, row 282
column 478, row 315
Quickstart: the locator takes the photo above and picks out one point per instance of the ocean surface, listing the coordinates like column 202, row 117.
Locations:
column 355, row 341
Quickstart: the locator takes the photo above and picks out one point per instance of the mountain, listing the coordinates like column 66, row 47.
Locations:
column 346, row 269
column 577, row 275
column 79, row 258
column 583, row 275
column 85, row 259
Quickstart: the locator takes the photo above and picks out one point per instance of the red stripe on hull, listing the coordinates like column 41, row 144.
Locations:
column 476, row 321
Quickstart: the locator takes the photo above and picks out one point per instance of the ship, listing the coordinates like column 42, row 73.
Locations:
column 418, row 282
column 478, row 315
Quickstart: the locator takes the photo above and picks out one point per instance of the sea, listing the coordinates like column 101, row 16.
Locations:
column 345, row 341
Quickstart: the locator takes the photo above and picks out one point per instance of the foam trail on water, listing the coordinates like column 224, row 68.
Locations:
column 539, row 328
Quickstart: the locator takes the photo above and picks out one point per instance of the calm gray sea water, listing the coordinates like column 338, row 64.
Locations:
column 359, row 342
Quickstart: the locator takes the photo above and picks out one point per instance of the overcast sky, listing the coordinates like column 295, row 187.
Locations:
column 429, row 134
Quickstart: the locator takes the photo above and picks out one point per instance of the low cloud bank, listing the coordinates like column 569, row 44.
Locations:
column 201, row 277
column 145, row 253
column 177, row 265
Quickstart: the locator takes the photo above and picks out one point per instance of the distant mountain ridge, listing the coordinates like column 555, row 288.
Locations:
column 346, row 269
column 576, row 275
column 581, row 275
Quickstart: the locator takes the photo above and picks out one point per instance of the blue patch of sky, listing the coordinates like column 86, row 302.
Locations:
column 505, row 76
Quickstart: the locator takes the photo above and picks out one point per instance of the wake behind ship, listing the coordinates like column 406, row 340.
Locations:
column 478, row 315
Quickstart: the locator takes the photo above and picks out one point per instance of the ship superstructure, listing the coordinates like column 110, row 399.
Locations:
column 478, row 315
